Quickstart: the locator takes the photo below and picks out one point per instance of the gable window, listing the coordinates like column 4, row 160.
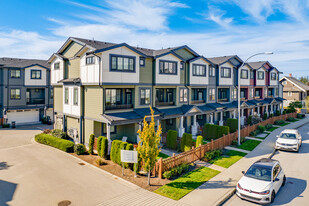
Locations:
column 225, row 72
column 35, row 74
column 212, row 94
column 244, row 74
column 261, row 75
column 15, row 73
column 168, row 67
column 122, row 63
column 251, row 74
column 15, row 94
column 199, row 70
column 145, row 96
column 273, row 76
column 75, row 96
column 142, row 61
column 56, row 65
column 212, row 71
column 90, row 60
column 183, row 97
column 66, row 95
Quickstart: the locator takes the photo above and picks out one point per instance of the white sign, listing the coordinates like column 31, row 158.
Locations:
column 129, row 156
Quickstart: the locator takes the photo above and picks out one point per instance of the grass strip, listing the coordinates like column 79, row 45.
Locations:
column 164, row 156
column 272, row 129
column 249, row 144
column 226, row 162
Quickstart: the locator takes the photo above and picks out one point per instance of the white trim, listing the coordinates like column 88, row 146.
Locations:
column 293, row 83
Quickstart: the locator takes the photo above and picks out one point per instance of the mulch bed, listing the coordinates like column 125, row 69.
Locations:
column 116, row 170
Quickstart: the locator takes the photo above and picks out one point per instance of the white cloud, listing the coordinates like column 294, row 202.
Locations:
column 216, row 15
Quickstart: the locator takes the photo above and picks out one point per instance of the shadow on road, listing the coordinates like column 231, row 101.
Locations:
column 7, row 190
column 217, row 184
column 4, row 166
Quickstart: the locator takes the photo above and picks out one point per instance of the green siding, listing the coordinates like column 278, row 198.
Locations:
column 93, row 102
column 73, row 123
column 88, row 124
column 72, row 68
column 128, row 130
column 58, row 98
column 71, row 49
column 184, row 53
column 146, row 72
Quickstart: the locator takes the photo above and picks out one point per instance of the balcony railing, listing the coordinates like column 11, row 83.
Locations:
column 162, row 104
column 197, row 101
column 118, row 106
column 258, row 97
column 35, row 101
column 223, row 100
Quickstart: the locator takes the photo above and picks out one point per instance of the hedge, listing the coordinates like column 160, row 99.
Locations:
column 232, row 124
column 99, row 145
column 59, row 133
column 186, row 142
column 249, row 120
column 117, row 146
column 91, row 144
column 199, row 141
column 221, row 130
column 104, row 147
column 62, row 144
column 171, row 139
column 212, row 131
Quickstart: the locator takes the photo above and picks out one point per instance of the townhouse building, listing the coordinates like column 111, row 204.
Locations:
column 26, row 95
column 106, row 89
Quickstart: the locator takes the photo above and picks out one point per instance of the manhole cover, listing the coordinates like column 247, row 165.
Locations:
column 64, row 203
column 81, row 163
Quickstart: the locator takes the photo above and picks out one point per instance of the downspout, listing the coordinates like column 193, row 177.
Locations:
column 153, row 82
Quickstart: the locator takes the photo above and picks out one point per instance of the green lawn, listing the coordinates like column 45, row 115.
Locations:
column 185, row 184
column 284, row 124
column 249, row 144
column 273, row 128
column 164, row 156
column 295, row 120
column 226, row 162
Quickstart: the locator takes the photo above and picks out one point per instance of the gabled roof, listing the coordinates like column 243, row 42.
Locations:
column 260, row 64
column 70, row 80
column 223, row 59
column 201, row 57
column 297, row 83
column 215, row 105
column 23, row 63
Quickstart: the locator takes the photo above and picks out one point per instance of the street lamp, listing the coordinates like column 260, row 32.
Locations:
column 238, row 90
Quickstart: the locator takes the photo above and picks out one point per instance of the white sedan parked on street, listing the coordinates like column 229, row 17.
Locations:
column 261, row 182
column 289, row 139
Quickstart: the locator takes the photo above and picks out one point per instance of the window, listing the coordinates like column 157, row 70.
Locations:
column 15, row 73
column 257, row 93
column 243, row 93
column 66, row 95
column 35, row 74
column 244, row 74
column 15, row 93
column 51, row 93
column 261, row 75
column 75, row 96
column 56, row 65
column 142, row 61
column 112, row 129
column 183, row 97
column 284, row 82
column 199, row 70
column 251, row 74
column 234, row 94
column 289, row 94
column 170, row 121
column 168, row 67
column 200, row 117
column 122, row 63
column 212, row 71
column 273, row 76
column 212, row 94
column 225, row 72
column 90, row 60
column 144, row 96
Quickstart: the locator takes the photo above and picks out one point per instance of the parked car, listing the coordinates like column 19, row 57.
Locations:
column 261, row 182
column 289, row 139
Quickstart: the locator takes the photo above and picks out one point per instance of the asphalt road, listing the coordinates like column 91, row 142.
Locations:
column 296, row 167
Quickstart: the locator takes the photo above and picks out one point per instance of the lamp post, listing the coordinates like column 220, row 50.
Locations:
column 238, row 89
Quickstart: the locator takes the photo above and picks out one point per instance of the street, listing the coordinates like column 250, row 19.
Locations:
column 296, row 167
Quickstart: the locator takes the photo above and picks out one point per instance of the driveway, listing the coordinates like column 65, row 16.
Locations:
column 296, row 168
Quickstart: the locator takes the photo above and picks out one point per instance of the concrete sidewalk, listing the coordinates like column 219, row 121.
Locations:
column 219, row 188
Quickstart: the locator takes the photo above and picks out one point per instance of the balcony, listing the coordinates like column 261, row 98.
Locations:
column 162, row 104
column 197, row 101
column 34, row 101
column 119, row 106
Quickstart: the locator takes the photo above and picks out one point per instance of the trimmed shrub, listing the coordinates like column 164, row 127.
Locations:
column 290, row 119
column 261, row 128
column 64, row 145
column 256, row 119
column 91, row 144
column 265, row 116
column 104, row 147
column 167, row 174
column 186, row 142
column 249, row 120
column 284, row 111
column 277, row 113
column 115, row 151
column 301, row 116
column 271, row 115
column 99, row 145
column 171, row 139
column 199, row 141
column 253, row 133
column 268, row 126
column 6, row 126
column 232, row 124
column 212, row 154
column 279, row 122
column 59, row 133
column 79, row 149
column 221, row 130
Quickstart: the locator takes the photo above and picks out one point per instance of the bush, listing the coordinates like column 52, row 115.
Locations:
column 100, row 162
column 249, row 120
column 271, row 115
column 176, row 171
column 232, row 124
column 199, row 141
column 256, row 119
column 222, row 130
column 186, row 142
column 6, row 126
column 46, row 131
column 278, row 113
column 253, row 133
column 268, row 126
column 64, row 145
column 91, row 144
column 115, row 151
column 171, row 139
column 167, row 175
column 104, row 147
column 59, row 133
column 279, row 122
column 301, row 116
column 261, row 128
column 211, row 131
column 265, row 116
column 235, row 142
column 79, row 149
column 212, row 154
column 99, row 145
column 284, row 111
column 290, row 119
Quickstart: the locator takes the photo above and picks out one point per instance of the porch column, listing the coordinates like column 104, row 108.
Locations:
column 281, row 108
column 252, row 111
column 194, row 127
column 221, row 119
column 211, row 118
column 242, row 118
column 266, row 110
column 258, row 111
column 231, row 114
column 234, row 114
column 271, row 109
column 181, row 129
column 108, row 136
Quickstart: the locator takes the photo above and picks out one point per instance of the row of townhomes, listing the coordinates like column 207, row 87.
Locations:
column 26, row 95
column 106, row 89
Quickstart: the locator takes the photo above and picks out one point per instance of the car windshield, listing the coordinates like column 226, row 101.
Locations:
column 259, row 172
column 288, row 136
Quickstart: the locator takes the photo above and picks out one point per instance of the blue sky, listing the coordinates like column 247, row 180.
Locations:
column 36, row 29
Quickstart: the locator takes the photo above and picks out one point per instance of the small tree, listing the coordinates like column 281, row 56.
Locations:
column 148, row 146
column 91, row 144
column 293, row 105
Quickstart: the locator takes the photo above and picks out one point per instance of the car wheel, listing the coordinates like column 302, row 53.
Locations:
column 283, row 181
column 272, row 197
column 298, row 148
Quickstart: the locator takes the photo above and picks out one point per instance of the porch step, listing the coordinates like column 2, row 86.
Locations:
column 236, row 149
column 253, row 138
column 211, row 166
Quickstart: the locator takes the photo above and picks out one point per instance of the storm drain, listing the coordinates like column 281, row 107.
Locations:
column 64, row 203
column 81, row 163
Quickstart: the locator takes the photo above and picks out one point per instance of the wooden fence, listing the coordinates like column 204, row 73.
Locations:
column 1, row 121
column 199, row 152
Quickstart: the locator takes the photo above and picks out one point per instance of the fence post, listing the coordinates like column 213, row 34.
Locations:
column 174, row 162
column 212, row 144
column 160, row 168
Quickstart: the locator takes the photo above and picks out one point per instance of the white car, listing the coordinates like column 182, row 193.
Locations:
column 289, row 139
column 261, row 182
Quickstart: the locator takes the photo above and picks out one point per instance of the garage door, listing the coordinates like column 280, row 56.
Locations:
column 22, row 117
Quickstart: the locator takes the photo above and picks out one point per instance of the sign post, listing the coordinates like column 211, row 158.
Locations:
column 128, row 156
